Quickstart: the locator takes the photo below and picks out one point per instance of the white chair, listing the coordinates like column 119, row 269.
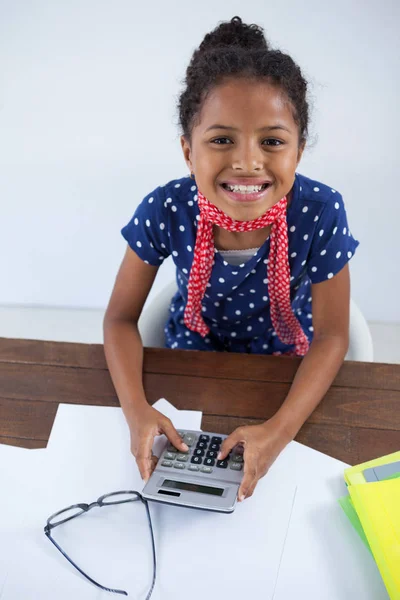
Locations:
column 360, row 339
column 152, row 322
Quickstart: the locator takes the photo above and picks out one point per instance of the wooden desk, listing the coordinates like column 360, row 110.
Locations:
column 358, row 419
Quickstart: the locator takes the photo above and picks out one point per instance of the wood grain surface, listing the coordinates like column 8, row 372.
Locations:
column 358, row 419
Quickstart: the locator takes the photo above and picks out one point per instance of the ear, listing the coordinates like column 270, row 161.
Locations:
column 187, row 153
column 300, row 152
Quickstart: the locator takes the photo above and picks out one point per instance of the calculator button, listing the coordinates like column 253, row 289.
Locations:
column 179, row 466
column 189, row 439
column 193, row 468
column 182, row 457
column 204, row 438
column 166, row 463
column 209, row 462
column 216, row 440
column 196, row 460
column 235, row 466
column 222, row 464
column 212, row 454
column 237, row 458
column 214, row 446
column 170, row 455
column 198, row 452
column 201, row 445
column 171, row 448
column 206, row 469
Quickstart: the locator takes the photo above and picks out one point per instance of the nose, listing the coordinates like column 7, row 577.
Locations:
column 248, row 156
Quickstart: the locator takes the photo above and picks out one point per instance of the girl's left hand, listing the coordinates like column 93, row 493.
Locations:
column 262, row 445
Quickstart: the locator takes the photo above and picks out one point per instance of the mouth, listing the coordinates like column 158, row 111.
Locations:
column 246, row 193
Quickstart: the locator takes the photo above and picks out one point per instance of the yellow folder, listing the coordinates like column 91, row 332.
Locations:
column 378, row 508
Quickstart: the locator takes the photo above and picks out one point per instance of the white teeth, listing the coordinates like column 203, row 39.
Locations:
column 244, row 189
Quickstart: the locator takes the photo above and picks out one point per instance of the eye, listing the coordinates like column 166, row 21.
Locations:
column 278, row 142
column 219, row 140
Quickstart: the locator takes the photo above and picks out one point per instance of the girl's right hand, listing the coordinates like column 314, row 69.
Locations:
column 143, row 428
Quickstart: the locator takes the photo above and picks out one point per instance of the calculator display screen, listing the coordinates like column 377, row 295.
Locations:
column 192, row 487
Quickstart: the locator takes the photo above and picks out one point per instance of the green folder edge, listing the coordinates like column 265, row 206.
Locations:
column 350, row 512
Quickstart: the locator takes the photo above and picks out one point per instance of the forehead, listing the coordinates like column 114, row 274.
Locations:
column 245, row 103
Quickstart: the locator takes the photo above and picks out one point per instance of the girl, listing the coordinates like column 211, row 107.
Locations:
column 261, row 251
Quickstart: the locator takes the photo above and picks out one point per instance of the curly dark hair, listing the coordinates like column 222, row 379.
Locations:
column 235, row 49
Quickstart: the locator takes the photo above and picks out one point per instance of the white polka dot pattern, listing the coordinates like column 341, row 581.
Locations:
column 284, row 321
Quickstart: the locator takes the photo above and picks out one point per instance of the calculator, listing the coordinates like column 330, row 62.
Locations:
column 196, row 479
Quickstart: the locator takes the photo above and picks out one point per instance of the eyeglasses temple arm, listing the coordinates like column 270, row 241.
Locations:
column 80, row 570
column 153, row 548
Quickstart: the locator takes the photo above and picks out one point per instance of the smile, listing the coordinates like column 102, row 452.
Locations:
column 245, row 189
column 245, row 193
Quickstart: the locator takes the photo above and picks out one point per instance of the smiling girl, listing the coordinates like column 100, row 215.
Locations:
column 261, row 251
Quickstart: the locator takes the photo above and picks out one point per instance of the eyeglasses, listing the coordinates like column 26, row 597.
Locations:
column 79, row 509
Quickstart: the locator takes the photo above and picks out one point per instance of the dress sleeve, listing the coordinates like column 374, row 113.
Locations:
column 333, row 244
column 147, row 231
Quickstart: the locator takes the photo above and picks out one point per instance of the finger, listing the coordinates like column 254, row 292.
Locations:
column 173, row 436
column 153, row 460
column 153, row 463
column 143, row 456
column 249, row 475
column 230, row 442
column 251, row 488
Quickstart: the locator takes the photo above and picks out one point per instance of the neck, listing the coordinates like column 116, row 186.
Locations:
column 242, row 240
column 239, row 240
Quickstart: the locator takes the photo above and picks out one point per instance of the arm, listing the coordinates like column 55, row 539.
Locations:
column 124, row 354
column 331, row 302
column 122, row 343
column 263, row 443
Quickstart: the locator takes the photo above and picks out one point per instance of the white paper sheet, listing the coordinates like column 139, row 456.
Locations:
column 323, row 555
column 304, row 464
column 114, row 547
column 73, row 423
column 20, row 481
column 236, row 555
column 89, row 456
column 111, row 544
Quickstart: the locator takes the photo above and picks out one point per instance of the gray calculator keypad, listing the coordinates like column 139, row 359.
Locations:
column 202, row 455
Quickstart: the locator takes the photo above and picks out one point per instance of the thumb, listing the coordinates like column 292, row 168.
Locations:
column 173, row 436
column 230, row 442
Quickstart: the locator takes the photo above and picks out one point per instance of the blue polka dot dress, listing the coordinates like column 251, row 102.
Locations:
column 236, row 304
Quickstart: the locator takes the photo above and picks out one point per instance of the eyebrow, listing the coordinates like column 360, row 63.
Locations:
column 266, row 128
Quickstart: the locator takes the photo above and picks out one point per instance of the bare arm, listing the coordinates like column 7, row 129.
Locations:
column 331, row 301
column 263, row 443
column 122, row 343
column 124, row 354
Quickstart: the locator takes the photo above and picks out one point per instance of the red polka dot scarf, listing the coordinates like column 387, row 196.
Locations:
column 285, row 323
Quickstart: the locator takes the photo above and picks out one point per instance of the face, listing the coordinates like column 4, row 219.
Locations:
column 245, row 136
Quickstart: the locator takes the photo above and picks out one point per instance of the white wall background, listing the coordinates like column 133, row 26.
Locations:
column 88, row 126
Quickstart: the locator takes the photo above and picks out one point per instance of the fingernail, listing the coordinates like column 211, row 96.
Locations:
column 241, row 498
column 185, row 446
column 219, row 456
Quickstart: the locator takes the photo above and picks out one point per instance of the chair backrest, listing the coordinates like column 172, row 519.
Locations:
column 360, row 339
column 154, row 317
